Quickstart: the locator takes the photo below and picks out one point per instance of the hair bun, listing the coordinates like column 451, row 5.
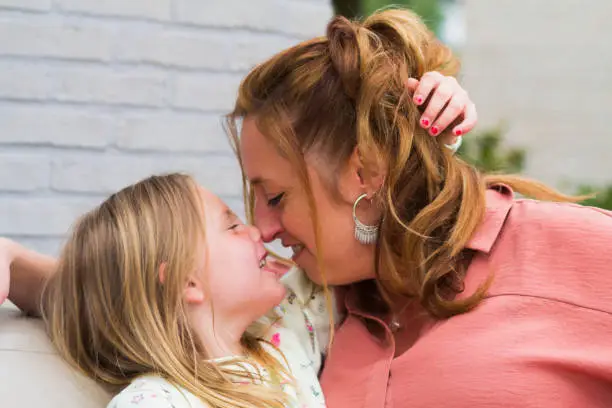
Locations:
column 342, row 35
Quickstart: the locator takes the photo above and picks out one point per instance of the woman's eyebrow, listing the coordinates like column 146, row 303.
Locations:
column 258, row 180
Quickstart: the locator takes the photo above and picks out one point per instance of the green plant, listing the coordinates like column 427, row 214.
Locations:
column 429, row 10
column 602, row 197
column 348, row 8
column 485, row 151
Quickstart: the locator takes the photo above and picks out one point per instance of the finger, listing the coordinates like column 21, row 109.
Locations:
column 469, row 121
column 428, row 83
column 453, row 110
column 440, row 98
column 412, row 84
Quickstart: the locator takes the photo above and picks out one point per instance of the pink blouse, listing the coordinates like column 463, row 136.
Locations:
column 542, row 337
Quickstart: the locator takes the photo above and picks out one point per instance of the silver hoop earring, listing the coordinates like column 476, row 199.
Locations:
column 366, row 234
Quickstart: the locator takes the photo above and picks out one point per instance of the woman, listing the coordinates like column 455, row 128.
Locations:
column 455, row 293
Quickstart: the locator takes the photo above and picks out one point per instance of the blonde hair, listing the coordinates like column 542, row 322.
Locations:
column 332, row 95
column 109, row 314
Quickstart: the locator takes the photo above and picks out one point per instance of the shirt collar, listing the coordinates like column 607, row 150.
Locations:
column 498, row 202
column 499, row 199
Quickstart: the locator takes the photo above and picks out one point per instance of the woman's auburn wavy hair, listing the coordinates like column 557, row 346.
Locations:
column 331, row 95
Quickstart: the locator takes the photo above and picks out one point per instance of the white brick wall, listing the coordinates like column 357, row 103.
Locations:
column 544, row 68
column 95, row 94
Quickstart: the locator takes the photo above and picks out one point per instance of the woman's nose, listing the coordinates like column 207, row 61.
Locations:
column 268, row 221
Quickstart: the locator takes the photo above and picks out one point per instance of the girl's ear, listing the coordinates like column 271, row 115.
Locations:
column 193, row 292
column 162, row 273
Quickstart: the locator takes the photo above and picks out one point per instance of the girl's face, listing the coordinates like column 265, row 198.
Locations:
column 235, row 275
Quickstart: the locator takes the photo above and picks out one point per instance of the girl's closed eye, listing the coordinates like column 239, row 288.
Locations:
column 233, row 222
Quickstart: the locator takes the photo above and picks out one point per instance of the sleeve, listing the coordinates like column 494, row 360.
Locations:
column 565, row 251
column 147, row 393
column 142, row 399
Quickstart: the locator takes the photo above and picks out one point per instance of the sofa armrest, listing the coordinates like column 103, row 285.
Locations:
column 33, row 375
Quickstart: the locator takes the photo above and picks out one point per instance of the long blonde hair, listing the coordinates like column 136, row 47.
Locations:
column 109, row 314
column 331, row 95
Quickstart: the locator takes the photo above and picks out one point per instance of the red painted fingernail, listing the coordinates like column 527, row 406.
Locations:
column 458, row 132
column 419, row 100
column 434, row 130
column 425, row 122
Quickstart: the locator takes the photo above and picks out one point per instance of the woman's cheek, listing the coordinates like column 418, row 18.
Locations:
column 297, row 223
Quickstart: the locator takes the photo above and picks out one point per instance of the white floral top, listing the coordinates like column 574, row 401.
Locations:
column 154, row 392
column 301, row 333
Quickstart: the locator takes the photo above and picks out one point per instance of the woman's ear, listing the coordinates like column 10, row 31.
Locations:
column 361, row 177
column 193, row 292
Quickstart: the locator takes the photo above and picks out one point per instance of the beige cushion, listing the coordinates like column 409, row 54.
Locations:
column 31, row 373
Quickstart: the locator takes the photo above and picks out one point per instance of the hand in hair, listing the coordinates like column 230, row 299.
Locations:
column 445, row 102
column 394, row 48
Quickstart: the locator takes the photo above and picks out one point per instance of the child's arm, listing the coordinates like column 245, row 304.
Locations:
column 24, row 273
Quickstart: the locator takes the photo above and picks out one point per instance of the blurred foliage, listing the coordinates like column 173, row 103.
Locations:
column 602, row 196
column 429, row 10
column 348, row 8
column 485, row 150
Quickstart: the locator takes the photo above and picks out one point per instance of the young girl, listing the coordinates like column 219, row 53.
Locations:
column 161, row 291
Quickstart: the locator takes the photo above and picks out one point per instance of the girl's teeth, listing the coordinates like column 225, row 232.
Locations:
column 262, row 263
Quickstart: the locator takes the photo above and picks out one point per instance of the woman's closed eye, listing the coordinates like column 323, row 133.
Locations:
column 276, row 200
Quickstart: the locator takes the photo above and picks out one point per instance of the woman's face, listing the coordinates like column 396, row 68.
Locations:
column 282, row 212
